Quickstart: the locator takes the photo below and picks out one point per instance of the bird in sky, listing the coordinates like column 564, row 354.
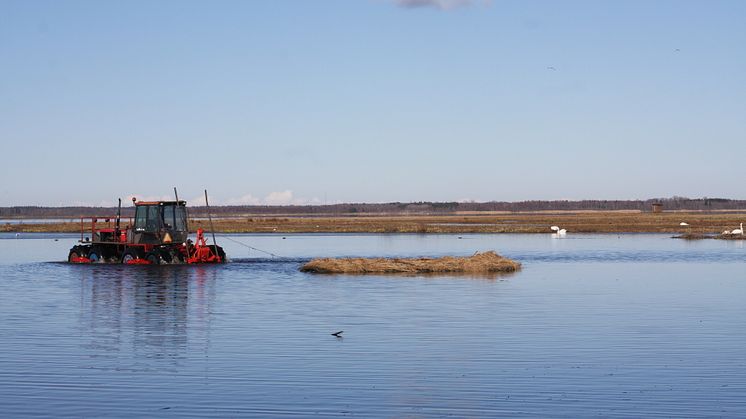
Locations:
column 551, row 68
column 338, row 334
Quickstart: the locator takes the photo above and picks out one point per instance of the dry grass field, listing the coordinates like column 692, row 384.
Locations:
column 700, row 223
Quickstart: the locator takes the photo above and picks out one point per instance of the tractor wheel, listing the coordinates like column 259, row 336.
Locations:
column 178, row 257
column 94, row 255
column 167, row 256
column 153, row 258
column 127, row 256
column 73, row 255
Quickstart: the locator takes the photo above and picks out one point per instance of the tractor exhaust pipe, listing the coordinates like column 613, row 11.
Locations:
column 119, row 214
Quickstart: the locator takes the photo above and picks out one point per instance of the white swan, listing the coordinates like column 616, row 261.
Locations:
column 738, row 230
column 683, row 224
column 560, row 231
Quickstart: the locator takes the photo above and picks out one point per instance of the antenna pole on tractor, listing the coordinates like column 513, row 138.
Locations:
column 176, row 194
column 119, row 214
column 209, row 217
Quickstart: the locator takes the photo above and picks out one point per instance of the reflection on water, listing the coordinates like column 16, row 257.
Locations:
column 144, row 313
column 632, row 326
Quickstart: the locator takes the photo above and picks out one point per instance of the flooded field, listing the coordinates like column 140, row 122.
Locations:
column 10, row 221
column 593, row 325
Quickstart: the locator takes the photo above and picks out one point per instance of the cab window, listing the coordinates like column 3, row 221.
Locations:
column 141, row 216
column 154, row 215
column 147, row 218
column 181, row 218
column 168, row 216
column 174, row 217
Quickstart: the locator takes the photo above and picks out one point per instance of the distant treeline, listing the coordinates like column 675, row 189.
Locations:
column 675, row 203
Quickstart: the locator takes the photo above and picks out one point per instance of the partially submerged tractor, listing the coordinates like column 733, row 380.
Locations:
column 159, row 235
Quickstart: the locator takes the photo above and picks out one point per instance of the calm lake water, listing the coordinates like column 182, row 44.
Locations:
column 594, row 325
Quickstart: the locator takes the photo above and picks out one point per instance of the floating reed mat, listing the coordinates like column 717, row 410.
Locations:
column 486, row 262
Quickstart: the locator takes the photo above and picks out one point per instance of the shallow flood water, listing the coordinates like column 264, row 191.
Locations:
column 594, row 325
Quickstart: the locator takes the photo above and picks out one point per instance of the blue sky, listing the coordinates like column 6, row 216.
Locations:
column 371, row 100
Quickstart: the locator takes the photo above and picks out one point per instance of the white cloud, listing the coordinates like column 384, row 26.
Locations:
column 285, row 197
column 146, row 198
column 279, row 198
column 439, row 4
column 126, row 201
column 243, row 200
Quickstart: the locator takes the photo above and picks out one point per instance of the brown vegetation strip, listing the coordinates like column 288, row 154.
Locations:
column 487, row 262
column 574, row 222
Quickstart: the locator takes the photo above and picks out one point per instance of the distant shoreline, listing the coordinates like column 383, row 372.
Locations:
column 403, row 208
column 700, row 223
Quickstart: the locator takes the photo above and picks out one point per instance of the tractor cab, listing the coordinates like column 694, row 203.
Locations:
column 161, row 222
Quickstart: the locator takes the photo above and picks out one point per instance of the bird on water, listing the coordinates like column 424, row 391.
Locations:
column 560, row 231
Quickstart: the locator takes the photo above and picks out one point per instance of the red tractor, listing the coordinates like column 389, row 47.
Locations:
column 159, row 235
